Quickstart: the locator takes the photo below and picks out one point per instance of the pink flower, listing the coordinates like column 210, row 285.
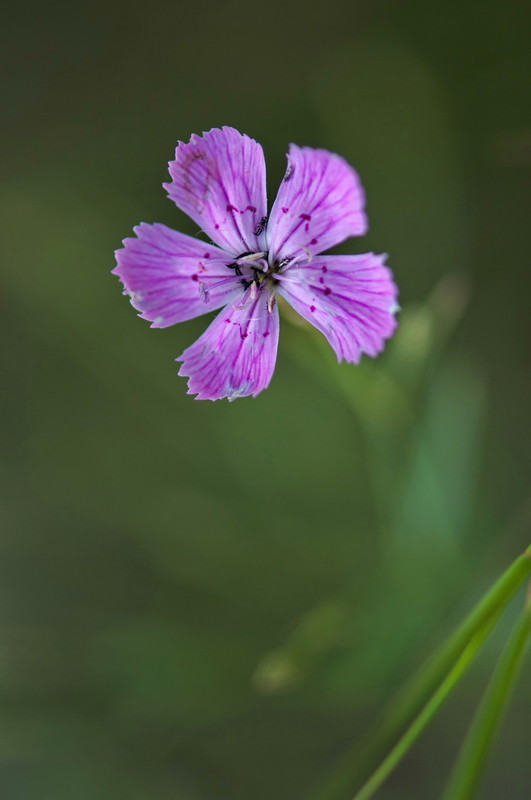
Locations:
column 218, row 179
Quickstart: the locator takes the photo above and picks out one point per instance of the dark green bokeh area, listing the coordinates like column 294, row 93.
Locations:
column 204, row 601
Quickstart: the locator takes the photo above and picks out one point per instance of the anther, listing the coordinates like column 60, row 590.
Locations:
column 251, row 256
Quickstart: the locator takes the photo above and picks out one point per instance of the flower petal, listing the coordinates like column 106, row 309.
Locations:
column 218, row 179
column 319, row 204
column 236, row 355
column 171, row 277
column 351, row 299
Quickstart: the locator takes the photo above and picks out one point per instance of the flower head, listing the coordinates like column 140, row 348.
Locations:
column 218, row 179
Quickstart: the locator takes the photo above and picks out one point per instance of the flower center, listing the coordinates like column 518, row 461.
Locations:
column 254, row 268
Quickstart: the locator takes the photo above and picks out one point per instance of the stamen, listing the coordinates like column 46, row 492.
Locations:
column 252, row 257
column 247, row 300
column 254, row 290
column 271, row 302
column 284, row 262
column 285, row 277
column 203, row 292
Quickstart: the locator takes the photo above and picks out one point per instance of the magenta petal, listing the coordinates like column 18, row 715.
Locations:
column 351, row 299
column 319, row 204
column 236, row 355
column 218, row 179
column 171, row 277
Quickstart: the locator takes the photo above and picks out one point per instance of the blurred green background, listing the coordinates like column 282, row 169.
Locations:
column 210, row 600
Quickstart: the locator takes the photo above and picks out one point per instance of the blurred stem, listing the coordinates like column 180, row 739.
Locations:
column 426, row 715
column 464, row 781
column 358, row 764
column 383, row 411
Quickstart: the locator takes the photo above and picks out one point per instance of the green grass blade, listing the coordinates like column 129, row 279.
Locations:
column 359, row 763
column 426, row 715
column 464, row 781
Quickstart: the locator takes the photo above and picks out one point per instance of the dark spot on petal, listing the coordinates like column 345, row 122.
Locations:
column 228, row 319
column 314, row 241
column 285, row 210
column 252, row 209
column 327, row 290
column 265, row 334
column 312, row 309
column 195, row 278
column 216, row 226
column 324, row 269
column 207, row 255
column 321, row 279
column 231, row 208
column 305, row 216
column 243, row 335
